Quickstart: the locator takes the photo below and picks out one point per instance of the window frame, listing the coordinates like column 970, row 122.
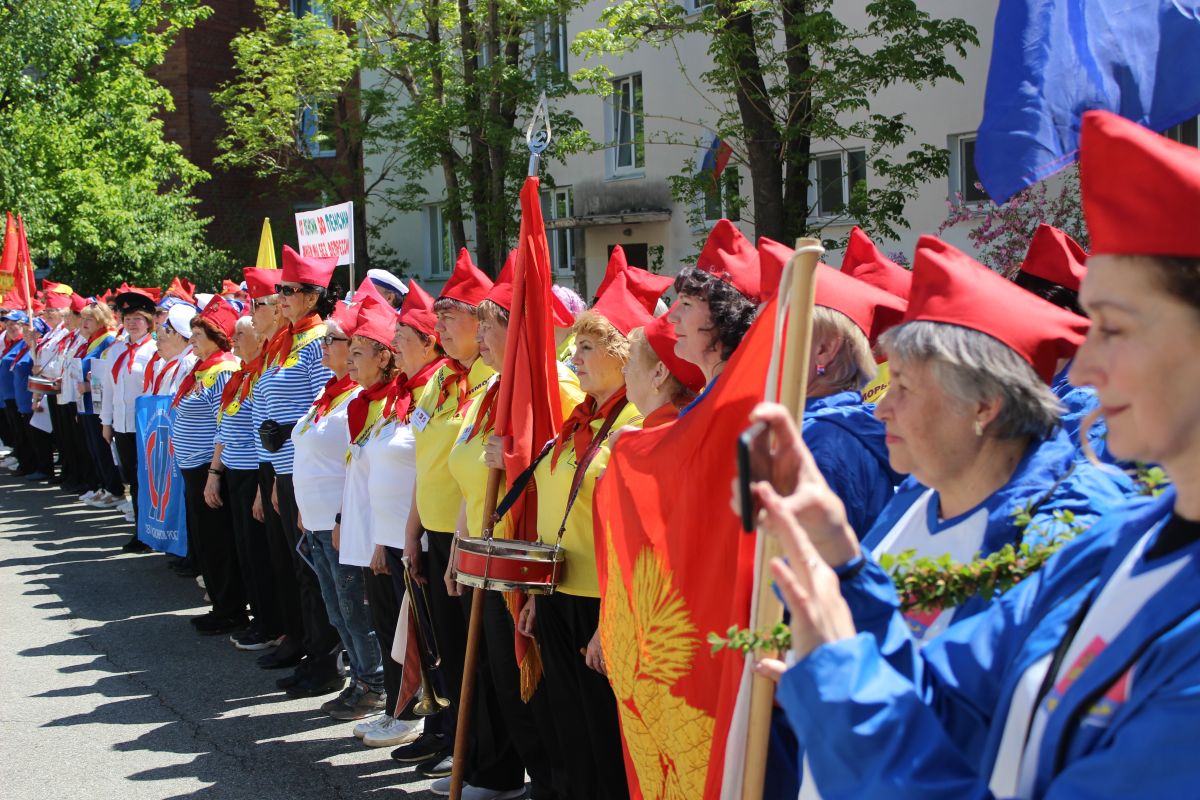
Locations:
column 814, row 182
column 731, row 174
column 550, row 35
column 959, row 171
column 439, row 255
column 637, row 142
column 559, row 237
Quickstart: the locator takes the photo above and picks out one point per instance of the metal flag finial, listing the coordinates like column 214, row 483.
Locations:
column 537, row 135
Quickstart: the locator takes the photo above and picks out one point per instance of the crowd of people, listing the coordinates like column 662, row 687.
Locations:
column 332, row 450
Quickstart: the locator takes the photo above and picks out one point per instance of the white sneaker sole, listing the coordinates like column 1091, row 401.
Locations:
column 394, row 740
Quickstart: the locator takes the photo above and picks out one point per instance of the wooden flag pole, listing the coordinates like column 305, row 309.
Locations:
column 466, row 697
column 768, row 610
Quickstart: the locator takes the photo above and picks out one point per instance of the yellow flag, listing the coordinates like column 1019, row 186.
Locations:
column 266, row 248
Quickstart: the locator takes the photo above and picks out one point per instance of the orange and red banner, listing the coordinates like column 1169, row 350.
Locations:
column 674, row 565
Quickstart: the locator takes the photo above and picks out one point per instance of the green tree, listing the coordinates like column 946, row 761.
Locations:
column 453, row 84
column 104, row 195
column 788, row 72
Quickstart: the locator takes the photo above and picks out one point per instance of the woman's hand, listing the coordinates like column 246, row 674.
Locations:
column 800, row 488
column 275, row 497
column 412, row 551
column 525, row 622
column 595, row 654
column 453, row 587
column 84, row 387
column 493, row 452
column 256, row 510
column 337, row 536
column 379, row 563
column 212, row 491
column 107, row 433
column 809, row 585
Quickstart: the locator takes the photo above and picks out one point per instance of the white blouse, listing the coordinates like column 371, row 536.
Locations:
column 392, row 469
column 320, row 465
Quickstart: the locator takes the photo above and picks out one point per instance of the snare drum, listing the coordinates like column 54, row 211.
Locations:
column 43, row 385
column 508, row 565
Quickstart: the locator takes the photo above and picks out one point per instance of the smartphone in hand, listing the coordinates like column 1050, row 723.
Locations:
column 754, row 464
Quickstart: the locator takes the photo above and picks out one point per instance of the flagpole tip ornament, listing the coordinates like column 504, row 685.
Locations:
column 538, row 134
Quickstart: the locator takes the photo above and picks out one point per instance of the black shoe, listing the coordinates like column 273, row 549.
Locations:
column 36, row 476
column 203, row 619
column 222, row 624
column 135, row 545
column 424, row 748
column 285, row 656
column 58, row 479
column 74, row 488
column 314, row 686
column 436, row 767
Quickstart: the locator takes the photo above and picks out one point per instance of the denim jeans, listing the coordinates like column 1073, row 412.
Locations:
column 344, row 591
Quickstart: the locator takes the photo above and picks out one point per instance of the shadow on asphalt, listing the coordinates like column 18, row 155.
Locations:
column 129, row 617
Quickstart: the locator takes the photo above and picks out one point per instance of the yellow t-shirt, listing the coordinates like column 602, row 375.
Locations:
column 554, row 489
column 466, row 458
column 435, row 427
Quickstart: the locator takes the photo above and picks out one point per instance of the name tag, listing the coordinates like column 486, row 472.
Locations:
column 420, row 418
column 464, row 434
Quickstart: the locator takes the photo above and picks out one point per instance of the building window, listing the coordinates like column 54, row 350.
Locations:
column 550, row 44
column 558, row 203
column 964, row 179
column 722, row 197
column 831, row 179
column 317, row 133
column 627, row 140
column 1185, row 133
column 695, row 6
column 302, row 7
column 439, row 245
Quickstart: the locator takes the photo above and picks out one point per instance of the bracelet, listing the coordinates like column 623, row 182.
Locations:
column 217, row 472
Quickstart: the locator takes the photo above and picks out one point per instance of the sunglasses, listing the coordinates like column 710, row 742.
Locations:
column 288, row 291
column 263, row 303
column 329, row 339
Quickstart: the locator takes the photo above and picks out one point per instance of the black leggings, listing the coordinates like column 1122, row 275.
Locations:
column 253, row 552
column 107, row 474
column 210, row 534
column 127, row 455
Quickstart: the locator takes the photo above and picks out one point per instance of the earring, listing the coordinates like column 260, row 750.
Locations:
column 978, row 428
column 820, row 369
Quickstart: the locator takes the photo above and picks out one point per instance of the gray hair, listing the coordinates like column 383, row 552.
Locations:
column 244, row 324
column 331, row 326
column 974, row 367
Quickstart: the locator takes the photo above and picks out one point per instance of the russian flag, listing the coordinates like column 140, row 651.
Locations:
column 715, row 158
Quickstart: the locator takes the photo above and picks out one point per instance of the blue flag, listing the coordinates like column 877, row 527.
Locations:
column 1052, row 60
column 162, row 512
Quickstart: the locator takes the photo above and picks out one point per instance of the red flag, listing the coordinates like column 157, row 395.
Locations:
column 25, row 284
column 665, row 490
column 529, row 411
column 8, row 260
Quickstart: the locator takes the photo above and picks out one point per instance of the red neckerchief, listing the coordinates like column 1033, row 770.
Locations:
column 578, row 427
column 282, row 343
column 667, row 412
column 81, row 351
column 356, row 412
column 485, row 420
column 242, row 382
column 10, row 345
column 128, row 355
column 189, row 381
column 170, row 368
column 334, row 388
column 400, row 402
column 148, row 379
column 460, row 378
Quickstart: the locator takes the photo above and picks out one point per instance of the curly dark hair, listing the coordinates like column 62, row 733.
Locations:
column 732, row 312
column 214, row 333
column 1050, row 291
column 326, row 298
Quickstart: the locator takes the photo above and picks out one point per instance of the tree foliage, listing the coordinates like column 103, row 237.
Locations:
column 787, row 73
column 452, row 84
column 104, row 195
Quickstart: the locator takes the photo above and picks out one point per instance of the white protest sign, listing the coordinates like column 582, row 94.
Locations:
column 327, row 232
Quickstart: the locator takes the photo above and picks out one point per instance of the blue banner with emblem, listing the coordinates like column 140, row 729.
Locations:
column 162, row 513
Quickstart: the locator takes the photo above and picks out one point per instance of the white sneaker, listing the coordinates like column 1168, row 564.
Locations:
column 392, row 732
column 88, row 495
column 126, row 508
column 371, row 723
column 441, row 787
column 10, row 463
column 200, row 582
column 105, row 500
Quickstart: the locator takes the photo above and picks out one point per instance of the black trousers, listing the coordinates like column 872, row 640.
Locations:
column 41, row 446
column 20, row 442
column 127, row 457
column 385, row 611
column 253, row 551
column 493, row 761
column 320, row 638
column 585, row 709
column 108, row 477
column 6, row 433
column 77, row 455
column 210, row 534
column 60, row 431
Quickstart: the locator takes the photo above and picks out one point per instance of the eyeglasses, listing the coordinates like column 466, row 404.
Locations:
column 329, row 339
column 288, row 291
column 263, row 303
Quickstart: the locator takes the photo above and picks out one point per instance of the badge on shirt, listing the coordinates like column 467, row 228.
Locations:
column 420, row 418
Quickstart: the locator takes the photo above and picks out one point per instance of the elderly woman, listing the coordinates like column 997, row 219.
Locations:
column 477, row 449
column 1072, row 682
column 193, row 434
column 389, row 454
column 176, row 357
column 717, row 302
column 565, row 623
column 322, row 479
column 118, row 412
column 97, row 328
column 656, row 379
column 14, row 349
column 292, row 378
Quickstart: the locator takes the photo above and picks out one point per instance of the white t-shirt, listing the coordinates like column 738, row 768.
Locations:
column 320, row 467
column 356, row 547
column 392, row 468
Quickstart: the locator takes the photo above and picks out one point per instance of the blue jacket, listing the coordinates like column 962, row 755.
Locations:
column 7, row 390
column 881, row 718
column 22, row 369
column 847, row 442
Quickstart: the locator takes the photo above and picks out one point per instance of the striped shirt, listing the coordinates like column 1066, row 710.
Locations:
column 286, row 393
column 239, row 434
column 195, row 427
column 96, row 359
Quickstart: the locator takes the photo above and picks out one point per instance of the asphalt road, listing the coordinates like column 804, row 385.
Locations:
column 107, row 693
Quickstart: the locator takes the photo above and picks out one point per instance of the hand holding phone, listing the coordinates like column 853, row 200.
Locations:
column 754, row 464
